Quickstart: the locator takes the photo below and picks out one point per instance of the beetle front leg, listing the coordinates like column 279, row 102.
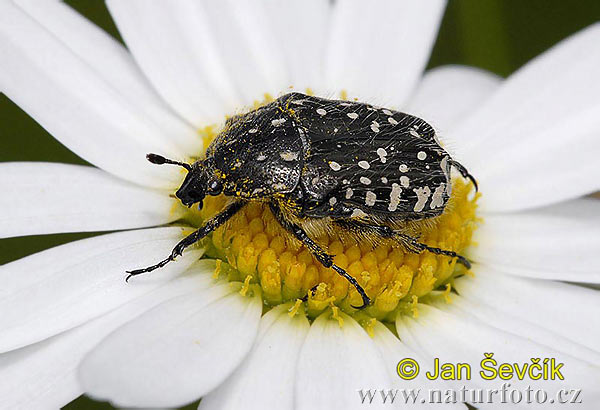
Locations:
column 319, row 253
column 192, row 238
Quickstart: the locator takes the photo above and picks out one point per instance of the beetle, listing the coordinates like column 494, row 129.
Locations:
column 324, row 166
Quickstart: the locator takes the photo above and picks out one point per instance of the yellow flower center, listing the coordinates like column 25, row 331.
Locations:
column 253, row 248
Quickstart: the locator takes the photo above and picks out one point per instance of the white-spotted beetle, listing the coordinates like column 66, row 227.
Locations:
column 324, row 166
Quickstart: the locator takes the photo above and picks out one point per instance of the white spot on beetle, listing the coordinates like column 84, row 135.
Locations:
column 392, row 121
column 352, row 115
column 403, row 168
column 414, row 133
column 332, row 201
column 288, row 155
column 404, row 181
column 349, row 193
column 277, row 123
column 422, row 197
column 315, row 180
column 422, row 155
column 345, row 181
column 370, row 198
column 358, row 213
column 364, row 164
column 382, row 155
column 335, row 166
column 252, row 131
column 321, row 111
column 257, row 191
column 394, row 197
column 387, row 112
column 446, row 171
column 444, row 164
column 335, row 130
column 384, row 180
column 365, row 180
column 261, row 157
column 375, row 126
column 279, row 186
column 437, row 200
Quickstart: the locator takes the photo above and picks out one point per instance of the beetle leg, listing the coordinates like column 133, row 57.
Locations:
column 192, row 238
column 412, row 244
column 463, row 171
column 323, row 257
column 312, row 290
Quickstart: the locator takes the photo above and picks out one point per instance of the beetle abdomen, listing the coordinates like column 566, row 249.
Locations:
column 382, row 161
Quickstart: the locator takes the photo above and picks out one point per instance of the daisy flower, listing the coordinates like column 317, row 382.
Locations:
column 223, row 322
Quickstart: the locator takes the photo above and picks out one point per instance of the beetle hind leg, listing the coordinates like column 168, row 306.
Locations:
column 410, row 243
column 463, row 171
column 415, row 246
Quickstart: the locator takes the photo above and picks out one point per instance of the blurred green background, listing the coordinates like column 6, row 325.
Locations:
column 496, row 35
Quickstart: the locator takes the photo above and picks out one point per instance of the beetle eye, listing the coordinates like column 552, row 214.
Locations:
column 215, row 188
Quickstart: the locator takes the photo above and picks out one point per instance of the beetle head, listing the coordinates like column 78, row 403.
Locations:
column 197, row 183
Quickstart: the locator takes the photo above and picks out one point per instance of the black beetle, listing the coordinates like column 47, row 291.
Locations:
column 322, row 164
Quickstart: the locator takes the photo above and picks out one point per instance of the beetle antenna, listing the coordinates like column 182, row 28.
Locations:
column 160, row 160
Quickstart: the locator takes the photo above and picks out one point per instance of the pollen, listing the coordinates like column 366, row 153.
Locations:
column 256, row 250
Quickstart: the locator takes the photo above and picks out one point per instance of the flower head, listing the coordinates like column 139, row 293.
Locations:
column 224, row 321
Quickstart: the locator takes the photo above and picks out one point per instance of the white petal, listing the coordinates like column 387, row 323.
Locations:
column 41, row 376
column 459, row 338
column 377, row 52
column 535, row 127
column 41, row 198
column 113, row 63
column 181, row 59
column 446, row 95
column 393, row 351
column 226, row 53
column 76, row 104
column 253, row 58
column 561, row 308
column 303, row 44
column 44, row 375
column 57, row 289
column 519, row 325
column 335, row 363
column 267, row 376
column 557, row 242
column 176, row 352
column 555, row 164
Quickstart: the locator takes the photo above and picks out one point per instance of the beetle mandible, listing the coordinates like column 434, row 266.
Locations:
column 324, row 166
